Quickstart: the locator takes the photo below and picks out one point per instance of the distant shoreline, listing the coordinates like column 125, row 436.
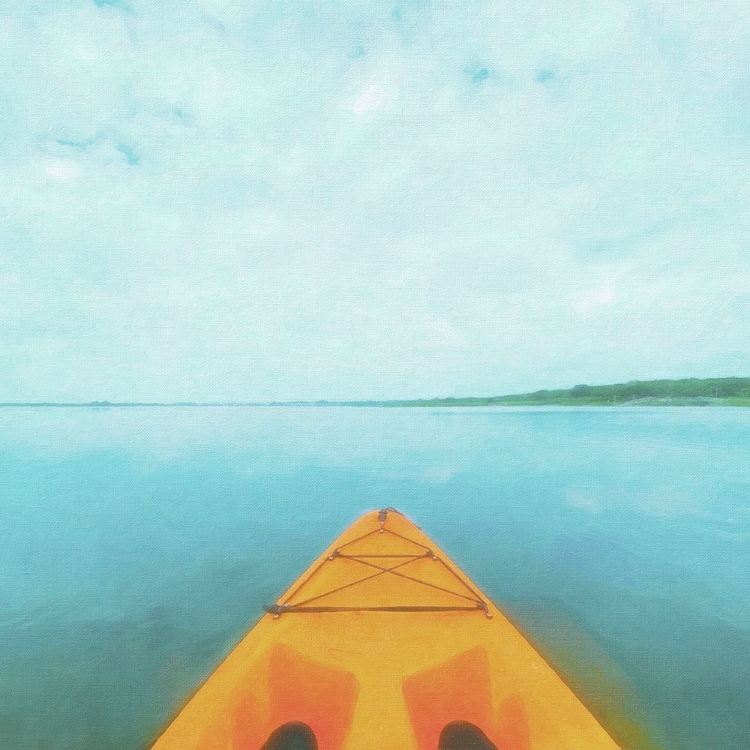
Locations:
column 417, row 404
column 683, row 392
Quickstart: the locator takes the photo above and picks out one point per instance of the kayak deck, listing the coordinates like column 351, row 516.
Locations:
column 350, row 579
column 384, row 642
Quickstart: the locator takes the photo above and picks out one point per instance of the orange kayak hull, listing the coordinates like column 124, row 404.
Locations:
column 384, row 642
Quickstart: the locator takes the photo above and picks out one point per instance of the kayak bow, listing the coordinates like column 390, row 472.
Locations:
column 384, row 643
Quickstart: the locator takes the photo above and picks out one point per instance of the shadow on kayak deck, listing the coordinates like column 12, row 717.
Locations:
column 458, row 735
column 292, row 736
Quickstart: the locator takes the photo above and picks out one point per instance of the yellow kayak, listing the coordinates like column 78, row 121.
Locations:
column 384, row 643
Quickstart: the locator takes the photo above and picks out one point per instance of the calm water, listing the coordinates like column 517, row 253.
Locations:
column 139, row 545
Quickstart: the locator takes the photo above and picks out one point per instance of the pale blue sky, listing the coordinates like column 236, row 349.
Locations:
column 216, row 199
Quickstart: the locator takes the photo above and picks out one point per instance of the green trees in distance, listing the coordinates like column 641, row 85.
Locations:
column 690, row 388
column 686, row 391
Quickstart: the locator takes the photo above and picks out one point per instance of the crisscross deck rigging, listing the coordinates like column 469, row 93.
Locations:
column 383, row 564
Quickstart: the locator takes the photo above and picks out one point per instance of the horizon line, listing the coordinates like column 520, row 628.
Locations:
column 104, row 403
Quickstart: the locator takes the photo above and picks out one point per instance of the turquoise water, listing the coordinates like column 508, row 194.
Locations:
column 139, row 545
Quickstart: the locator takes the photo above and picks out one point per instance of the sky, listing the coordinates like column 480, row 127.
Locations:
column 225, row 200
